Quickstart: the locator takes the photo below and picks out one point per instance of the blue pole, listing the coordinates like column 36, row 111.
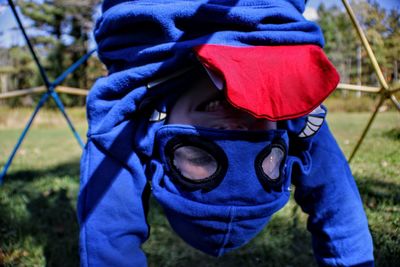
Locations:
column 21, row 138
column 72, row 68
column 60, row 106
column 45, row 97
column 41, row 70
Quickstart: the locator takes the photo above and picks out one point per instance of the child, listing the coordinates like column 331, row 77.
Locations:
column 216, row 104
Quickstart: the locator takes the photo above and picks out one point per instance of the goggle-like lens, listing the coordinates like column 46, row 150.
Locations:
column 272, row 162
column 194, row 163
column 269, row 165
column 197, row 163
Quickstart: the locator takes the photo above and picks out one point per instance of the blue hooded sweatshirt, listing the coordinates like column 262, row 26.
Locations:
column 153, row 50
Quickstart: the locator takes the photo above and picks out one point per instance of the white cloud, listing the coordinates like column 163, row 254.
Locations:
column 311, row 14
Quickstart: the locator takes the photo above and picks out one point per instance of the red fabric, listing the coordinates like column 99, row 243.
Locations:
column 272, row 82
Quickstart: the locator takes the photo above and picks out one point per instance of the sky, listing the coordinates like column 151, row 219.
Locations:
column 7, row 23
column 10, row 34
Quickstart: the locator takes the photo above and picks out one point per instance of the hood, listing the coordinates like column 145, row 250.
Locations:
column 264, row 51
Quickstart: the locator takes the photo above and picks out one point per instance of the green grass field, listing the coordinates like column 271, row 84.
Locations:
column 37, row 201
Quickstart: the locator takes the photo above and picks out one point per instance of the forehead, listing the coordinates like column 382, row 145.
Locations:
column 197, row 88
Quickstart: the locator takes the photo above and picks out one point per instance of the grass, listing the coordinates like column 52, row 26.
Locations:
column 37, row 201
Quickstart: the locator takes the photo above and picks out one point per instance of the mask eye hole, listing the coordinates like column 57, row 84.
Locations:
column 194, row 163
column 269, row 165
column 272, row 162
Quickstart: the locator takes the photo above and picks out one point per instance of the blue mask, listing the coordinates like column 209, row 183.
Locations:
column 219, row 188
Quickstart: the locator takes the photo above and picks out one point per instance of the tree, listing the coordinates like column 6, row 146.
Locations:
column 372, row 18
column 392, row 45
column 340, row 40
column 65, row 27
column 382, row 29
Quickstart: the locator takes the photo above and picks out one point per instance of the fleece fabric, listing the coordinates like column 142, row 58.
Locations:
column 251, row 44
column 142, row 42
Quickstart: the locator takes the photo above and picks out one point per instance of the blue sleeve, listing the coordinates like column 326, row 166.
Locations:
column 111, row 209
column 329, row 195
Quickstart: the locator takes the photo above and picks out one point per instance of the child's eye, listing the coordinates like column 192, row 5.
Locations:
column 200, row 161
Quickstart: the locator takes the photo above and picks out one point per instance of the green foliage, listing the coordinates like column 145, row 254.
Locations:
column 72, row 19
column 24, row 68
column 24, row 73
column 38, row 224
column 382, row 29
column 55, row 22
column 392, row 44
column 340, row 40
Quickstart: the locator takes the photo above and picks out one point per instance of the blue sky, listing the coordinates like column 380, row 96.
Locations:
column 7, row 23
column 9, row 34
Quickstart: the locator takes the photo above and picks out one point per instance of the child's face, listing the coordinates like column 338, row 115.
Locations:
column 212, row 177
column 206, row 106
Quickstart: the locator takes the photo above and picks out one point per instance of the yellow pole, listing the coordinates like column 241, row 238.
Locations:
column 381, row 100
column 22, row 92
column 395, row 101
column 72, row 90
column 368, row 89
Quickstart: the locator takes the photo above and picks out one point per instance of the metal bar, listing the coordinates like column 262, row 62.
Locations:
column 368, row 89
column 72, row 90
column 72, row 68
column 60, row 106
column 382, row 99
column 395, row 89
column 23, row 92
column 366, row 45
column 395, row 101
column 21, row 138
column 41, row 70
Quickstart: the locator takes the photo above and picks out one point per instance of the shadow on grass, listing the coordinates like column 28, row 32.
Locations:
column 382, row 200
column 376, row 192
column 46, row 217
column 55, row 219
column 70, row 168
column 393, row 133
